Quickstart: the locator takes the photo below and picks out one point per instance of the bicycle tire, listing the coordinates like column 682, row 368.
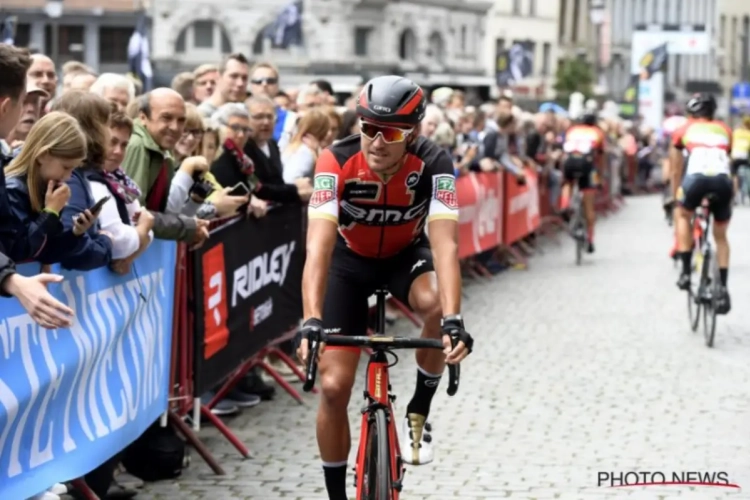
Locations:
column 709, row 310
column 377, row 471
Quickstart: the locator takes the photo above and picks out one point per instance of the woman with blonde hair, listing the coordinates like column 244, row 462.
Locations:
column 335, row 120
column 303, row 149
column 36, row 185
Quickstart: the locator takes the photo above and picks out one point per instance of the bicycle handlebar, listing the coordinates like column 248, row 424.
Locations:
column 377, row 342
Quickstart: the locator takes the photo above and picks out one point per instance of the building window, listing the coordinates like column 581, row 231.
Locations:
column 258, row 43
column 361, row 39
column 644, row 11
column 667, row 13
column 722, row 29
column 113, row 44
column 532, row 8
column 437, row 48
column 733, row 47
column 499, row 45
column 563, row 21
column 69, row 43
column 517, row 7
column 203, row 34
column 546, row 52
column 407, row 49
column 463, row 39
column 23, row 35
column 576, row 15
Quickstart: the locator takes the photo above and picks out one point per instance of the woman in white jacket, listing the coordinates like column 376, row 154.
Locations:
column 122, row 215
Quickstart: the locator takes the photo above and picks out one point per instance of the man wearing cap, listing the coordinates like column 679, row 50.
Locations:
column 30, row 114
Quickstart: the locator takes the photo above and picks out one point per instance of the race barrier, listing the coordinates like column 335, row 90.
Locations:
column 72, row 398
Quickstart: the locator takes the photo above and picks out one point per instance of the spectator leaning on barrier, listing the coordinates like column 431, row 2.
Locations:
column 265, row 155
column 233, row 165
column 31, row 291
column 194, row 190
column 95, row 250
column 149, row 162
column 300, row 155
column 122, row 215
column 30, row 114
column 205, row 77
column 36, row 186
column 232, row 85
column 114, row 88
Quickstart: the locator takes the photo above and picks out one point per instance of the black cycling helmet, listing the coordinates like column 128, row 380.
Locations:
column 392, row 100
column 702, row 105
column 589, row 118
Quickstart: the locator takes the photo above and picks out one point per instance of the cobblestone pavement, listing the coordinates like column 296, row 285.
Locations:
column 578, row 370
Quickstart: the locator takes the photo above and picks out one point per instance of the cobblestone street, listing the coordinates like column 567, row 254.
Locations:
column 576, row 371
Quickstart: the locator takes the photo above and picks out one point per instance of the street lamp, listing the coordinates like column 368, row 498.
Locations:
column 597, row 16
column 54, row 10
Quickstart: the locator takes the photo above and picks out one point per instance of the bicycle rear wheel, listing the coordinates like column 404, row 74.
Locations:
column 711, row 284
column 377, row 484
column 695, row 295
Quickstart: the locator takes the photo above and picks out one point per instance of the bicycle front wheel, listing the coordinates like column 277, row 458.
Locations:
column 377, row 484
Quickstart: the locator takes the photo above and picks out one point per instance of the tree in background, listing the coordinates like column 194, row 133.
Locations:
column 573, row 75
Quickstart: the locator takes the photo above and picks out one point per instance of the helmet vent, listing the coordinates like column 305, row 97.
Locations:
column 404, row 99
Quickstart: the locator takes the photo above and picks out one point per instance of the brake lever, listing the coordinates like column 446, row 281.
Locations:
column 311, row 369
column 454, row 372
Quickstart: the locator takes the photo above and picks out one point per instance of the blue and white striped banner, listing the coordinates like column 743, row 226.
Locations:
column 71, row 399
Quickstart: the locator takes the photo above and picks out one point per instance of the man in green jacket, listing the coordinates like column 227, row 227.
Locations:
column 149, row 162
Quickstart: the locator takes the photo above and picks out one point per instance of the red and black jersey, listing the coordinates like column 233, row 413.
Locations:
column 379, row 219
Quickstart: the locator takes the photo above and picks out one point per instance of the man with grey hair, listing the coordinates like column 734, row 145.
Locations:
column 115, row 88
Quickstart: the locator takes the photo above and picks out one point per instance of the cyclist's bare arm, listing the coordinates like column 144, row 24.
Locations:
column 322, row 228
column 442, row 221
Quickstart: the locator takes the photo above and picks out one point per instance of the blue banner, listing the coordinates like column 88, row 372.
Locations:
column 70, row 399
column 740, row 102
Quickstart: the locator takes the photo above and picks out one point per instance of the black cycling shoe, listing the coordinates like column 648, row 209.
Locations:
column 591, row 247
column 723, row 304
column 684, row 282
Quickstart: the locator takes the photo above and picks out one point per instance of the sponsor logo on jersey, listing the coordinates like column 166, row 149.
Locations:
column 324, row 190
column 412, row 179
column 444, row 190
column 381, row 215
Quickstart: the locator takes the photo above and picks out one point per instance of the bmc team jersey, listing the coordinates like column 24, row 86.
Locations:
column 708, row 143
column 740, row 144
column 379, row 219
column 583, row 140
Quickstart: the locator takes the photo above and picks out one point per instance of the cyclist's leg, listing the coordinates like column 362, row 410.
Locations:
column 414, row 282
column 567, row 185
column 722, row 209
column 689, row 197
column 345, row 311
column 588, row 184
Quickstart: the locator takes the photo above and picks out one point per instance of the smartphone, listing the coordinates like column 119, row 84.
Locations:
column 98, row 205
column 239, row 189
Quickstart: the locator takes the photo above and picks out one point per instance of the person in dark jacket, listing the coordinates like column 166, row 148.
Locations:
column 37, row 188
column 30, row 291
column 232, row 165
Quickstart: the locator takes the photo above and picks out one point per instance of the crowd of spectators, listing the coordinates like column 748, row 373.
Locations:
column 171, row 159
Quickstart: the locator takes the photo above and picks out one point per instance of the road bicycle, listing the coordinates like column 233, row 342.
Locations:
column 702, row 297
column 379, row 470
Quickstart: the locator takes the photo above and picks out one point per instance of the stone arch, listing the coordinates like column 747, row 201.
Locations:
column 183, row 18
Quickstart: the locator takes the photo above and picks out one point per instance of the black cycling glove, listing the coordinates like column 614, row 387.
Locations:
column 312, row 328
column 453, row 325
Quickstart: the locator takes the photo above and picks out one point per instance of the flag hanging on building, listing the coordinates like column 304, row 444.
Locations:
column 653, row 61
column 286, row 30
column 8, row 30
column 139, row 54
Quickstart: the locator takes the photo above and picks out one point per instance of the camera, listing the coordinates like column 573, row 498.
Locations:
column 201, row 188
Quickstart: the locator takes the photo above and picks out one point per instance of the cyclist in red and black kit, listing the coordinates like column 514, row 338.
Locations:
column 374, row 193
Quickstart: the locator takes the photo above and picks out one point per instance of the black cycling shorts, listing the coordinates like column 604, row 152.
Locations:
column 581, row 168
column 695, row 187
column 352, row 279
column 736, row 164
